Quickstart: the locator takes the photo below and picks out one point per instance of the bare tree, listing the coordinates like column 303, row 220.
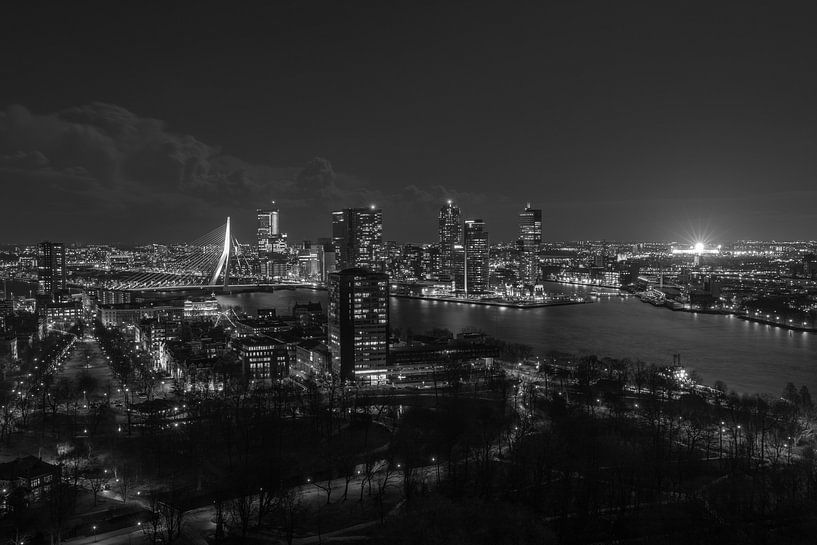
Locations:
column 95, row 478
column 289, row 509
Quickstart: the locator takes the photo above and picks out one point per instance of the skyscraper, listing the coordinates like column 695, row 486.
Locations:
column 450, row 231
column 530, row 229
column 358, row 324
column 50, row 268
column 267, row 228
column 357, row 235
column 530, row 242
column 472, row 258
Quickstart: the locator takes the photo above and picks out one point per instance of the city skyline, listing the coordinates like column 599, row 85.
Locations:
column 620, row 122
column 397, row 273
column 263, row 227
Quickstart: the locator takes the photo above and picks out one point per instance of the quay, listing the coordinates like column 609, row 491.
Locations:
column 493, row 303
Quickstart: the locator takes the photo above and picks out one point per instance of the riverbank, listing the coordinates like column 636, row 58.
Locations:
column 782, row 325
column 484, row 302
column 678, row 307
column 582, row 284
column 747, row 357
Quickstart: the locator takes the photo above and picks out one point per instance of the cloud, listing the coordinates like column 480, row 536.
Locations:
column 133, row 159
column 105, row 162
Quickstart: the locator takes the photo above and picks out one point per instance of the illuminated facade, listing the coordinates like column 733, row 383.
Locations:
column 50, row 268
column 530, row 242
column 266, row 228
column 530, row 229
column 204, row 309
column 472, row 258
column 262, row 358
column 63, row 313
column 450, row 234
column 358, row 324
column 357, row 236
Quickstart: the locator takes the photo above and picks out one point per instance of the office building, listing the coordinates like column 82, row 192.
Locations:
column 529, row 244
column 357, row 236
column 312, row 359
column 358, row 324
column 201, row 309
column 450, row 232
column 50, row 268
column 62, row 313
column 530, row 229
column 471, row 257
column 262, row 357
column 266, row 228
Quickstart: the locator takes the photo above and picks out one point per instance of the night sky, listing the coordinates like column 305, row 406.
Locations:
column 622, row 120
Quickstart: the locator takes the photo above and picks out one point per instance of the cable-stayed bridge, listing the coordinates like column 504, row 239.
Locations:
column 206, row 261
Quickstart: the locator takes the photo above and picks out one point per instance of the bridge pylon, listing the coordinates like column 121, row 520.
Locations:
column 224, row 260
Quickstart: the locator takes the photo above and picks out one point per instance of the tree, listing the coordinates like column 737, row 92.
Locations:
column 124, row 479
column 384, row 477
column 806, row 404
column 720, row 386
column 269, row 492
column 174, row 509
column 95, row 478
column 60, row 393
column 60, row 507
column 289, row 510
column 86, row 383
column 166, row 508
column 791, row 395
column 154, row 527
column 241, row 506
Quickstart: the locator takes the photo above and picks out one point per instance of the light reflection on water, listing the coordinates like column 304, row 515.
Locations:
column 748, row 356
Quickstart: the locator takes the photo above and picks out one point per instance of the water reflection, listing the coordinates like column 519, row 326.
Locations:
column 748, row 356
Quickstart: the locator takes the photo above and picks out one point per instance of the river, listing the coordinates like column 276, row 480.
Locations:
column 747, row 356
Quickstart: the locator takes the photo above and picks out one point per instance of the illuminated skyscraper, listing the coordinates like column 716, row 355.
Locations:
column 472, row 258
column 530, row 242
column 530, row 229
column 357, row 235
column 358, row 324
column 50, row 268
column 267, row 228
column 450, row 231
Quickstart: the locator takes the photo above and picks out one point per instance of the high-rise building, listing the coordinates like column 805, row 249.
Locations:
column 529, row 243
column 472, row 270
column 358, row 324
column 450, row 231
column 50, row 268
column 357, row 235
column 530, row 229
column 267, row 228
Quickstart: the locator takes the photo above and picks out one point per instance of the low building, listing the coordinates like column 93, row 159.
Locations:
column 201, row 309
column 442, row 353
column 62, row 313
column 262, row 358
column 133, row 313
column 105, row 296
column 253, row 327
column 312, row 359
column 154, row 334
column 31, row 474
column 310, row 313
